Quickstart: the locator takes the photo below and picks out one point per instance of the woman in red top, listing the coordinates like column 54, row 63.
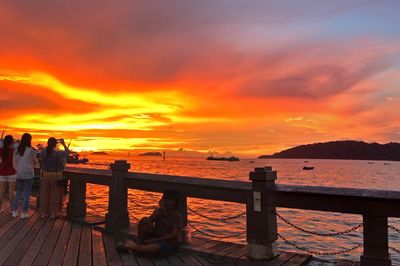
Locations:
column 7, row 170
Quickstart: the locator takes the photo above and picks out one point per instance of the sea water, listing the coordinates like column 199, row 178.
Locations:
column 333, row 173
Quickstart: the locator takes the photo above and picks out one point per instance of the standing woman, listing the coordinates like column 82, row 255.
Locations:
column 52, row 171
column 7, row 170
column 24, row 161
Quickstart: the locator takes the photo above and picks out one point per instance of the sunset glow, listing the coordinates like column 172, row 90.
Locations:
column 249, row 77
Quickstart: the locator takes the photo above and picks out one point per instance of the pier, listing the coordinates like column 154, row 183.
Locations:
column 78, row 239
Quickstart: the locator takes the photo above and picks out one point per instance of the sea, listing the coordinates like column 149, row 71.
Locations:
column 382, row 175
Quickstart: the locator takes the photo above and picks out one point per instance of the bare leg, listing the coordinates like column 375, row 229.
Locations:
column 145, row 228
column 2, row 189
column 11, row 191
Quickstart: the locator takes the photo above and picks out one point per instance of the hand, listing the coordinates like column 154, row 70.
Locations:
column 62, row 141
column 150, row 240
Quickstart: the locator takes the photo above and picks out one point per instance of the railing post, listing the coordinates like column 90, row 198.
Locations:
column 76, row 206
column 376, row 243
column 261, row 218
column 117, row 215
column 183, row 209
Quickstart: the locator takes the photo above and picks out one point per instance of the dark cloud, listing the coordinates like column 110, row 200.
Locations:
column 315, row 81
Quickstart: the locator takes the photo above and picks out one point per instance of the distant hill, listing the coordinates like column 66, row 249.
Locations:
column 354, row 150
column 151, row 154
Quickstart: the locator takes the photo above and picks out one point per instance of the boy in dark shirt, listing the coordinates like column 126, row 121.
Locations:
column 158, row 233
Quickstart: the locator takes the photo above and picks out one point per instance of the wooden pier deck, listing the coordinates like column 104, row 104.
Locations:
column 36, row 241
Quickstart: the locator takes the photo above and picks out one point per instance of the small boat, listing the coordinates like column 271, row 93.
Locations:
column 229, row 159
column 306, row 161
column 386, row 163
column 370, row 163
column 308, row 167
column 73, row 158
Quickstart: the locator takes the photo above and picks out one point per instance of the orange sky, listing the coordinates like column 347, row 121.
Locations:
column 250, row 78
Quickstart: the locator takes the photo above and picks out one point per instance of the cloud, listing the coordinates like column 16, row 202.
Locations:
column 188, row 71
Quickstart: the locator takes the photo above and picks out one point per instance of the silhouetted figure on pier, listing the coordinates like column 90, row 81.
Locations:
column 7, row 171
column 158, row 234
column 24, row 161
column 52, row 162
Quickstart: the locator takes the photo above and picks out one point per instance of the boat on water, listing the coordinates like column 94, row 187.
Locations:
column 73, row 158
column 229, row 159
column 308, row 167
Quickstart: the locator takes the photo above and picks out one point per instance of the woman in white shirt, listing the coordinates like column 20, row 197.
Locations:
column 24, row 161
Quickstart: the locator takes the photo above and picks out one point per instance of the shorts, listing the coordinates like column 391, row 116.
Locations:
column 8, row 178
column 166, row 248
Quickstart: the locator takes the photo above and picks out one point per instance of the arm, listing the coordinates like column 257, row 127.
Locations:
column 171, row 236
column 35, row 161
column 65, row 147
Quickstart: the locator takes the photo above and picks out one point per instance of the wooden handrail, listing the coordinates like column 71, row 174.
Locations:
column 261, row 197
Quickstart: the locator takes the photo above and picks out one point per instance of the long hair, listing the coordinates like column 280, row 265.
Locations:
column 8, row 140
column 51, row 146
column 26, row 142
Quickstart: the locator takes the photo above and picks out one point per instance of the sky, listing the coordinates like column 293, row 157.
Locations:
column 250, row 77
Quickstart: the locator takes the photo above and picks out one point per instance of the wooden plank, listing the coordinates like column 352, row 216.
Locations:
column 175, row 260
column 195, row 241
column 238, row 253
column 6, row 227
column 61, row 245
column 99, row 253
column 71, row 254
column 160, row 261
column 144, row 261
column 281, row 259
column 5, row 216
column 205, row 246
column 228, row 249
column 5, row 239
column 46, row 251
column 15, row 241
column 217, row 247
column 113, row 257
column 37, row 243
column 24, row 244
column 298, row 260
column 85, row 247
column 345, row 262
column 188, row 259
column 204, row 261
column 129, row 259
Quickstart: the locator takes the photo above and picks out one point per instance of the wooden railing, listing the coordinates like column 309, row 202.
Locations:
column 261, row 196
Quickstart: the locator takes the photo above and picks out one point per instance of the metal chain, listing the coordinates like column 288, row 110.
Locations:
column 96, row 210
column 217, row 219
column 394, row 249
column 152, row 207
column 394, row 228
column 214, row 236
column 343, row 251
column 317, row 233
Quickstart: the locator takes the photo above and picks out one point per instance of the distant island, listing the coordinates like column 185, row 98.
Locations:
column 99, row 153
column 151, row 154
column 230, row 159
column 351, row 150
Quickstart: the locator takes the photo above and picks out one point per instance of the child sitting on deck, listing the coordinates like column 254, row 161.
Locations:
column 158, row 234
